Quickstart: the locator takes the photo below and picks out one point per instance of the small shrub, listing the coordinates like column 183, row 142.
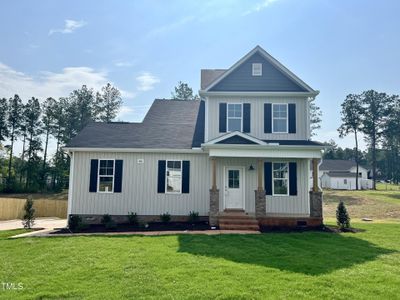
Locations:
column 165, row 218
column 29, row 215
column 75, row 223
column 108, row 222
column 193, row 217
column 342, row 216
column 133, row 218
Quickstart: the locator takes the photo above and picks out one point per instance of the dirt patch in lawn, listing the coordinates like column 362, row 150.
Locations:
column 361, row 204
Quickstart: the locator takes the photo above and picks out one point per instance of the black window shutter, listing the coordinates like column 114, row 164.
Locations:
column 246, row 117
column 118, row 176
column 161, row 176
column 292, row 179
column 268, row 178
column 94, row 166
column 222, row 117
column 292, row 118
column 185, row 176
column 267, row 117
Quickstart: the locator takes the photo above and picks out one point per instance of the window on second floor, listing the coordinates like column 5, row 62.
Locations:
column 234, row 117
column 280, row 118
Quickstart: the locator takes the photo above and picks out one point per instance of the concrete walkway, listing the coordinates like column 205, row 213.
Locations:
column 46, row 223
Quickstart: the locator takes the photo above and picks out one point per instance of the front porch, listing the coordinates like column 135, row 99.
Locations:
column 256, row 207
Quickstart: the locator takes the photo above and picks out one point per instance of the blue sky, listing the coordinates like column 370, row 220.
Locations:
column 49, row 48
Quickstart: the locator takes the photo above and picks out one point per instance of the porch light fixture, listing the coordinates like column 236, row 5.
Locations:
column 251, row 168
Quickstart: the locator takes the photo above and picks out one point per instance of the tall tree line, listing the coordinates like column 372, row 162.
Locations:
column 35, row 124
column 376, row 115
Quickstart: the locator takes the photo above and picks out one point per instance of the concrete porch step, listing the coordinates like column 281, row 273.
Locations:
column 227, row 220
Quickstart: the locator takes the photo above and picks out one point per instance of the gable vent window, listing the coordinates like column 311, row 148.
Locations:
column 257, row 69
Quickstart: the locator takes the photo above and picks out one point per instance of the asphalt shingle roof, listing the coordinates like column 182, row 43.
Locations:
column 208, row 76
column 337, row 164
column 341, row 174
column 169, row 124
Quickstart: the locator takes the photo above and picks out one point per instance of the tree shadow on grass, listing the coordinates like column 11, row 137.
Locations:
column 310, row 253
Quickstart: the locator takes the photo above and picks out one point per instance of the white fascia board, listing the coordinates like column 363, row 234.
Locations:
column 260, row 94
column 266, row 153
column 142, row 150
column 233, row 133
column 267, row 146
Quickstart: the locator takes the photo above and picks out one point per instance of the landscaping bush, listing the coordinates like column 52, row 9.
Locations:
column 133, row 218
column 193, row 217
column 108, row 222
column 342, row 216
column 75, row 223
column 165, row 218
column 29, row 215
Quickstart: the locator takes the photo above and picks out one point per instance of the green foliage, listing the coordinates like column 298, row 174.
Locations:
column 108, row 102
column 342, row 216
column 165, row 218
column 29, row 214
column 108, row 222
column 3, row 119
column 193, row 216
column 133, row 218
column 183, row 92
column 75, row 223
column 315, row 115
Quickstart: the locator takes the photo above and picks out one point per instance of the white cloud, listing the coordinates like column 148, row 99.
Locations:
column 259, row 7
column 134, row 113
column 51, row 84
column 146, row 81
column 69, row 27
column 122, row 64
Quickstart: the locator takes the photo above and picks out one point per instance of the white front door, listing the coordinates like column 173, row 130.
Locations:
column 234, row 187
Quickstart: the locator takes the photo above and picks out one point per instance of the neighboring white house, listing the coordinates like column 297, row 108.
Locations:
column 244, row 147
column 341, row 175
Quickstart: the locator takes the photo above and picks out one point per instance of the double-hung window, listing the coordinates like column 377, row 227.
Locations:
column 174, row 176
column 106, row 176
column 234, row 117
column 280, row 118
column 281, row 179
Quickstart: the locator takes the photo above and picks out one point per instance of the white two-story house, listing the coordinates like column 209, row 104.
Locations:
column 240, row 157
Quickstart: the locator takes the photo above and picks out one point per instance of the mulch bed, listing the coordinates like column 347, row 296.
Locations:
column 152, row 226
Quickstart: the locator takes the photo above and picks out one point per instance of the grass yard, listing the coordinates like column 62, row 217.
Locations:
column 311, row 265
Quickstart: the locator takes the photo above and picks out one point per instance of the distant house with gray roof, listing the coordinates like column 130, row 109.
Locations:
column 341, row 175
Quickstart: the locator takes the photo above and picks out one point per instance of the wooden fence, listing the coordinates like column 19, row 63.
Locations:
column 13, row 208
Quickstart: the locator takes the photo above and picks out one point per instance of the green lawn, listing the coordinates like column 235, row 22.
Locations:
column 311, row 265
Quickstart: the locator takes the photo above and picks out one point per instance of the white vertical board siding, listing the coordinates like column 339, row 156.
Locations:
column 257, row 116
column 293, row 205
column 139, row 186
column 276, row 205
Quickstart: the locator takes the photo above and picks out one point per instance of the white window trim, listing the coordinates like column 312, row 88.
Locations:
column 227, row 117
column 98, row 177
column 287, row 118
column 252, row 69
column 273, row 179
column 166, row 177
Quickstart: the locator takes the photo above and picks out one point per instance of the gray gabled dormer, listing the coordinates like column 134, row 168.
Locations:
column 257, row 96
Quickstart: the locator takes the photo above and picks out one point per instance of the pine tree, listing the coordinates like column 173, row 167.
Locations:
column 13, row 122
column 29, row 215
column 351, row 122
column 315, row 115
column 108, row 103
column 183, row 92
column 3, row 119
column 342, row 216
column 48, row 121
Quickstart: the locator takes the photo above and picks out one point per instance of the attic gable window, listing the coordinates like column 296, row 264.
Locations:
column 257, row 69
